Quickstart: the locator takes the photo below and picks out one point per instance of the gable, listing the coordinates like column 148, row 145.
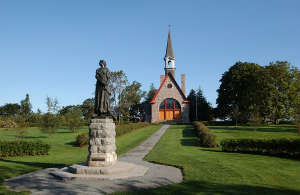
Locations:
column 169, row 88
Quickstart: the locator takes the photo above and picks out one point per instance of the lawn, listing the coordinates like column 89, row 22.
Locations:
column 62, row 153
column 211, row 171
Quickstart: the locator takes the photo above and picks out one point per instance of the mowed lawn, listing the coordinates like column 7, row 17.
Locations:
column 62, row 153
column 211, row 171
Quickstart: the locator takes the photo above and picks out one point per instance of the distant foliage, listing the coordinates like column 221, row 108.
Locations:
column 277, row 147
column 206, row 137
column 23, row 148
column 82, row 139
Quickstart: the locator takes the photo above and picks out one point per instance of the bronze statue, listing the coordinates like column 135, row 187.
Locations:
column 102, row 92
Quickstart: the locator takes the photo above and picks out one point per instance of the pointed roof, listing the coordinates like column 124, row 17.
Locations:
column 169, row 50
column 176, row 85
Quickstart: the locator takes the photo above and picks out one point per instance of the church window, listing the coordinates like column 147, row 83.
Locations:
column 169, row 85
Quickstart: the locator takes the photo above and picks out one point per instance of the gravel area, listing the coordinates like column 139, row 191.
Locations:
column 41, row 182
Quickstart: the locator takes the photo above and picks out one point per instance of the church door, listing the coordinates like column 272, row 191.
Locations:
column 169, row 109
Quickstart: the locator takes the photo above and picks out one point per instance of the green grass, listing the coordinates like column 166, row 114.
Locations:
column 211, row 171
column 62, row 153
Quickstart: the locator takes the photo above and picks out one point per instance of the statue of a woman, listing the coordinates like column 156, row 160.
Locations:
column 102, row 92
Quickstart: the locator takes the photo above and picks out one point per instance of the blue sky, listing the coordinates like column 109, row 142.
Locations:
column 53, row 47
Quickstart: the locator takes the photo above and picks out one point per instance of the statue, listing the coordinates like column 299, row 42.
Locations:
column 102, row 92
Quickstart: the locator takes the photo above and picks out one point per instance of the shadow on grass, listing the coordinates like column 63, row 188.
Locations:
column 72, row 143
column 28, row 137
column 202, row 187
column 189, row 137
column 34, row 164
column 259, row 129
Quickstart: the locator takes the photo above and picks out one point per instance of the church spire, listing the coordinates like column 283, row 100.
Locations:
column 169, row 50
column 169, row 57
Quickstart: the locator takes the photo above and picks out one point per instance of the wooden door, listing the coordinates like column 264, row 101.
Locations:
column 161, row 116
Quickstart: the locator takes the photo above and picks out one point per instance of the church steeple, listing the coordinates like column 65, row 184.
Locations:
column 169, row 57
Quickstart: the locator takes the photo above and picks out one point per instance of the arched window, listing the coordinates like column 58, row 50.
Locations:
column 169, row 109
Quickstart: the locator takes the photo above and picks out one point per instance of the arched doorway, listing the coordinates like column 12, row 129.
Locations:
column 169, row 109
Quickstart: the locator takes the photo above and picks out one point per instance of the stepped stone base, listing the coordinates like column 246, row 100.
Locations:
column 120, row 170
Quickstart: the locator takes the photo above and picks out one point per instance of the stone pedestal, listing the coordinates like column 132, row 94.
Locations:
column 102, row 159
column 102, row 146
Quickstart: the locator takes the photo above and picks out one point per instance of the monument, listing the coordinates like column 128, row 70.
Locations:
column 102, row 147
column 102, row 158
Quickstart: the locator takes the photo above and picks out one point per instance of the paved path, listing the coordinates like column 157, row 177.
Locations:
column 41, row 182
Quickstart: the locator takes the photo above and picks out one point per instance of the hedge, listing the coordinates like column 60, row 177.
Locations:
column 82, row 139
column 23, row 148
column 276, row 147
column 206, row 136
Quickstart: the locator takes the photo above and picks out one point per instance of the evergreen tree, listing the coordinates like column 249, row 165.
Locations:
column 25, row 106
column 200, row 108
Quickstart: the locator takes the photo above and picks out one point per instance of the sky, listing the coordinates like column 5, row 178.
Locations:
column 52, row 48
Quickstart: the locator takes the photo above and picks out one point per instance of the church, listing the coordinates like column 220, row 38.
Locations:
column 170, row 102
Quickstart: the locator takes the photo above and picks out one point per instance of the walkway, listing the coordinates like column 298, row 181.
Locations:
column 41, row 182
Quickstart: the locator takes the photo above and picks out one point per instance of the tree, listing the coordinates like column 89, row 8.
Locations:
column 87, row 108
column 192, row 98
column 118, row 82
column 131, row 96
column 49, row 123
column 10, row 109
column 243, row 85
column 282, row 90
column 200, row 108
column 235, row 114
column 52, row 104
column 73, row 119
column 25, row 109
column 151, row 93
column 66, row 109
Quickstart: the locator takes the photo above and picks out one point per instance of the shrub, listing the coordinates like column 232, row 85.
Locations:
column 82, row 139
column 206, row 137
column 277, row 147
column 7, row 123
column 126, row 128
column 23, row 148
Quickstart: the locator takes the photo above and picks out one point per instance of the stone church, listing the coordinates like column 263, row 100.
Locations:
column 170, row 102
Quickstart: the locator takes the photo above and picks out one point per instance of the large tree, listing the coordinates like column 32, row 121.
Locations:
column 241, row 86
column 259, row 93
column 282, row 94
column 131, row 97
column 118, row 82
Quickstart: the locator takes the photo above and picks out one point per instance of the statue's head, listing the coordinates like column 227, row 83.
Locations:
column 102, row 63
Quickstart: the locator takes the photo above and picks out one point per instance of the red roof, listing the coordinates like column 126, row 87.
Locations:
column 162, row 83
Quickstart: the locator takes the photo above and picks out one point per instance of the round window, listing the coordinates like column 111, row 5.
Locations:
column 169, row 85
